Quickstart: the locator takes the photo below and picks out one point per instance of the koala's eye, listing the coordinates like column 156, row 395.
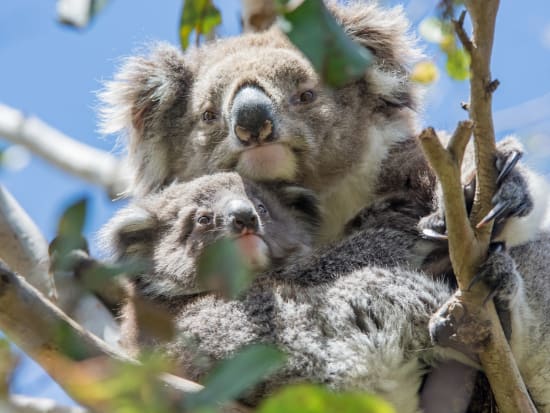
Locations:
column 209, row 116
column 307, row 96
column 262, row 209
column 204, row 220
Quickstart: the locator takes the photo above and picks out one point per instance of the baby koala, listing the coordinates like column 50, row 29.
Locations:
column 172, row 229
column 362, row 328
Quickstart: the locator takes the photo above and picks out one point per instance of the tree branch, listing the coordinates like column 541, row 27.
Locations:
column 45, row 333
column 93, row 165
column 24, row 249
column 22, row 245
column 468, row 247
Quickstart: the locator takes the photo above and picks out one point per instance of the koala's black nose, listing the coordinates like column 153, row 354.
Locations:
column 241, row 215
column 252, row 116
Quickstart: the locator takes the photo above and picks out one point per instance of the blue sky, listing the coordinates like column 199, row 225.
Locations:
column 53, row 72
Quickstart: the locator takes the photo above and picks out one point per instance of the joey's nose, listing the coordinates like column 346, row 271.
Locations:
column 252, row 116
column 241, row 215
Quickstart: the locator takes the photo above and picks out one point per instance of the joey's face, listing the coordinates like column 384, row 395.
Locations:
column 267, row 225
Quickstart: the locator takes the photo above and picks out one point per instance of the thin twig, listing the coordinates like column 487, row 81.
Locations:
column 461, row 33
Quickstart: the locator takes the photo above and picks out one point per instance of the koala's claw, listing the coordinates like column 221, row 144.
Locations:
column 498, row 211
column 432, row 235
column 509, row 163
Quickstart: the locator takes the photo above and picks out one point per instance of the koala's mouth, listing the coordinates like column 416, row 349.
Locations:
column 268, row 162
column 254, row 251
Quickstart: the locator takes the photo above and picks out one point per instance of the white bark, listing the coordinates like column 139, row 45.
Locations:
column 22, row 246
column 25, row 250
column 93, row 165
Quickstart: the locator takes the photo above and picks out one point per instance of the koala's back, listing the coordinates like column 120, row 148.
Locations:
column 366, row 331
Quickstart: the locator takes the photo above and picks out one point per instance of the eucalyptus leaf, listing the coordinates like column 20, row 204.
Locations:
column 312, row 29
column 316, row 399
column 69, row 235
column 222, row 268
column 424, row 72
column 458, row 64
column 232, row 377
column 72, row 220
column 200, row 16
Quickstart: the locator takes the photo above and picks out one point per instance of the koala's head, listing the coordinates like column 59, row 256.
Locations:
column 171, row 229
column 254, row 104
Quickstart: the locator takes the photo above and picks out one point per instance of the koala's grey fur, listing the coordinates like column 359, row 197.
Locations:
column 362, row 328
column 349, row 316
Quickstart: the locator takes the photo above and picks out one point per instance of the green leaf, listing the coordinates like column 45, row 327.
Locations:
column 315, row 399
column 200, row 16
column 72, row 220
column 424, row 72
column 222, row 268
column 96, row 6
column 312, row 29
column 458, row 64
column 236, row 375
column 69, row 235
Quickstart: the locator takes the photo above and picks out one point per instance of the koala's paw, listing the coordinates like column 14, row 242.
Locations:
column 512, row 198
column 500, row 274
column 456, row 327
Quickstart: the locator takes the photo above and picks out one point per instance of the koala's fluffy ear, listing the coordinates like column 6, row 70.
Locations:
column 385, row 32
column 142, row 88
column 130, row 232
column 145, row 92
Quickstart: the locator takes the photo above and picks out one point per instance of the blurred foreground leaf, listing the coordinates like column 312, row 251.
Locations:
column 316, row 399
column 232, row 377
column 424, row 72
column 123, row 387
column 200, row 16
column 458, row 64
column 222, row 268
column 69, row 235
column 313, row 30
column 441, row 31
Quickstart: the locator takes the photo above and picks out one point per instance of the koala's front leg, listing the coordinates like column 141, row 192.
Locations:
column 453, row 326
column 519, row 204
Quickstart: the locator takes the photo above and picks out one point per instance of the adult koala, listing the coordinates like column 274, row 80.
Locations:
column 254, row 104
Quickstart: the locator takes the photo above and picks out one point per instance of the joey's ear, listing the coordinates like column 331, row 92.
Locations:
column 303, row 202
column 385, row 32
column 129, row 233
column 142, row 89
